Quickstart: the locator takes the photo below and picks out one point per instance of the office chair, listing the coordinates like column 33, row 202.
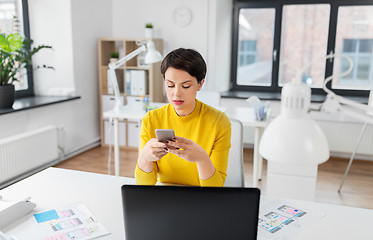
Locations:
column 209, row 97
column 235, row 173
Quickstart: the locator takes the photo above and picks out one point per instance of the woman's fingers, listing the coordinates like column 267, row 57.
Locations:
column 175, row 151
column 179, row 142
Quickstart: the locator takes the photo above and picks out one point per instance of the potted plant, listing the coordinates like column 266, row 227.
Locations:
column 114, row 56
column 149, row 30
column 15, row 55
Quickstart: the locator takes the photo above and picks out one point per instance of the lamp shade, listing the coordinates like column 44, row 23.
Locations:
column 152, row 55
column 293, row 137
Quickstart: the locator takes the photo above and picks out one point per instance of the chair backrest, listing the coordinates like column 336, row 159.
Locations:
column 209, row 97
column 235, row 173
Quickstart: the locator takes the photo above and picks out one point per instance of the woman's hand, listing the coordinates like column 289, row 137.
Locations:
column 187, row 149
column 192, row 152
column 152, row 151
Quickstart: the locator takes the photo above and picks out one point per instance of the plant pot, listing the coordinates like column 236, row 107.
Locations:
column 113, row 60
column 7, row 94
column 149, row 33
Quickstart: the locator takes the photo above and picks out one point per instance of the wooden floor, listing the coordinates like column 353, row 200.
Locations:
column 357, row 190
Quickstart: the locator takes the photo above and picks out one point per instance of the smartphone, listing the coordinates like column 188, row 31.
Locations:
column 164, row 135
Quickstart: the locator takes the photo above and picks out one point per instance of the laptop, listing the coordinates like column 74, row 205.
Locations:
column 190, row 213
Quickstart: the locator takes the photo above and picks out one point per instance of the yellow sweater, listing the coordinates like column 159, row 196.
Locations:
column 207, row 126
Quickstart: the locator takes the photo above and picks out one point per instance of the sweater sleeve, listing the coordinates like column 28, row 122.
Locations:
column 144, row 178
column 219, row 154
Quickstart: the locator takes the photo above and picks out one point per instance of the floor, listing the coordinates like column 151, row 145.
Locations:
column 357, row 190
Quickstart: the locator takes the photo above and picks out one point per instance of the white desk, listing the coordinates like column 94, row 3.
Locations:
column 56, row 187
column 244, row 114
column 126, row 113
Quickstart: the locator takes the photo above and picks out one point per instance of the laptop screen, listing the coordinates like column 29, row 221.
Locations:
column 181, row 212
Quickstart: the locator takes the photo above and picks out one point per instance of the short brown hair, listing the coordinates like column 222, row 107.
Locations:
column 188, row 60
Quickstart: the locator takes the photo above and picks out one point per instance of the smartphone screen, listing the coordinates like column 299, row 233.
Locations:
column 164, row 135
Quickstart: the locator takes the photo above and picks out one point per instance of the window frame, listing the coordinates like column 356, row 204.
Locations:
column 29, row 92
column 278, row 7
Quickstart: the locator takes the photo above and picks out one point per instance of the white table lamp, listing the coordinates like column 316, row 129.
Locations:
column 152, row 56
column 119, row 110
column 294, row 144
column 293, row 137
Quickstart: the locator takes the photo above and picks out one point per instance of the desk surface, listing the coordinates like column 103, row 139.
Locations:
column 56, row 187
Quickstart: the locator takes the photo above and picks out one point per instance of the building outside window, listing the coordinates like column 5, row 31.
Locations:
column 289, row 35
column 360, row 51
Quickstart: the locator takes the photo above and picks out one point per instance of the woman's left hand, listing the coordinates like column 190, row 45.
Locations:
column 192, row 152
column 187, row 149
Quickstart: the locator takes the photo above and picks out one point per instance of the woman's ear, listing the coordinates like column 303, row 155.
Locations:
column 201, row 84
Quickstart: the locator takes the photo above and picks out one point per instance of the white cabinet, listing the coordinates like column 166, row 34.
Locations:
column 133, row 134
column 109, row 133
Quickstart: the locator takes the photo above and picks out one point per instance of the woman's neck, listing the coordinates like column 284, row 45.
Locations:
column 186, row 112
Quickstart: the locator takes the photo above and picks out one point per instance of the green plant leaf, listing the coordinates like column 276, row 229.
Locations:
column 4, row 43
column 15, row 41
column 15, row 54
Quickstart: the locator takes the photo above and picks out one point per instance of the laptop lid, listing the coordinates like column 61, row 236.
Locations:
column 198, row 213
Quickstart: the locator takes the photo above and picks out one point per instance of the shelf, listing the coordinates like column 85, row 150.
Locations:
column 137, row 68
column 154, row 80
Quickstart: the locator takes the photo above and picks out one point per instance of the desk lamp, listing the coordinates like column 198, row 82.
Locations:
column 152, row 56
column 294, row 144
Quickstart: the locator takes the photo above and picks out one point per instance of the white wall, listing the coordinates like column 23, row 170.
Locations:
column 72, row 28
column 209, row 32
column 129, row 18
column 219, row 45
column 50, row 24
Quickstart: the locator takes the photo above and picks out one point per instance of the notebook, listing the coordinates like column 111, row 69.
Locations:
column 190, row 213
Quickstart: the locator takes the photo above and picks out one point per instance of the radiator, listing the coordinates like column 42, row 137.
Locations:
column 23, row 154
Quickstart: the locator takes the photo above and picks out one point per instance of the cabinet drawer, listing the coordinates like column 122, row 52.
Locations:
column 109, row 133
column 133, row 134
column 108, row 102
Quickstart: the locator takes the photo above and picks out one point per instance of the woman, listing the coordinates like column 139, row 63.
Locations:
column 199, row 153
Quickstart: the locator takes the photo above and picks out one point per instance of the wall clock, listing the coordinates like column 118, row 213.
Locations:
column 182, row 16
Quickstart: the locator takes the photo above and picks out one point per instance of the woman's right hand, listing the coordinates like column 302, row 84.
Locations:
column 152, row 151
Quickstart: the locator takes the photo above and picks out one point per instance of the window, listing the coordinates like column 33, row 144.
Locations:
column 354, row 38
column 360, row 51
column 254, row 58
column 9, row 9
column 304, row 38
column 247, row 53
column 275, row 41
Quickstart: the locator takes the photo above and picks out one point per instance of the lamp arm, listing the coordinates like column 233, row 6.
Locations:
column 335, row 103
column 328, row 79
column 113, row 78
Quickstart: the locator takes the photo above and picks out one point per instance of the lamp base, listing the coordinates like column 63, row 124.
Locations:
column 289, row 181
